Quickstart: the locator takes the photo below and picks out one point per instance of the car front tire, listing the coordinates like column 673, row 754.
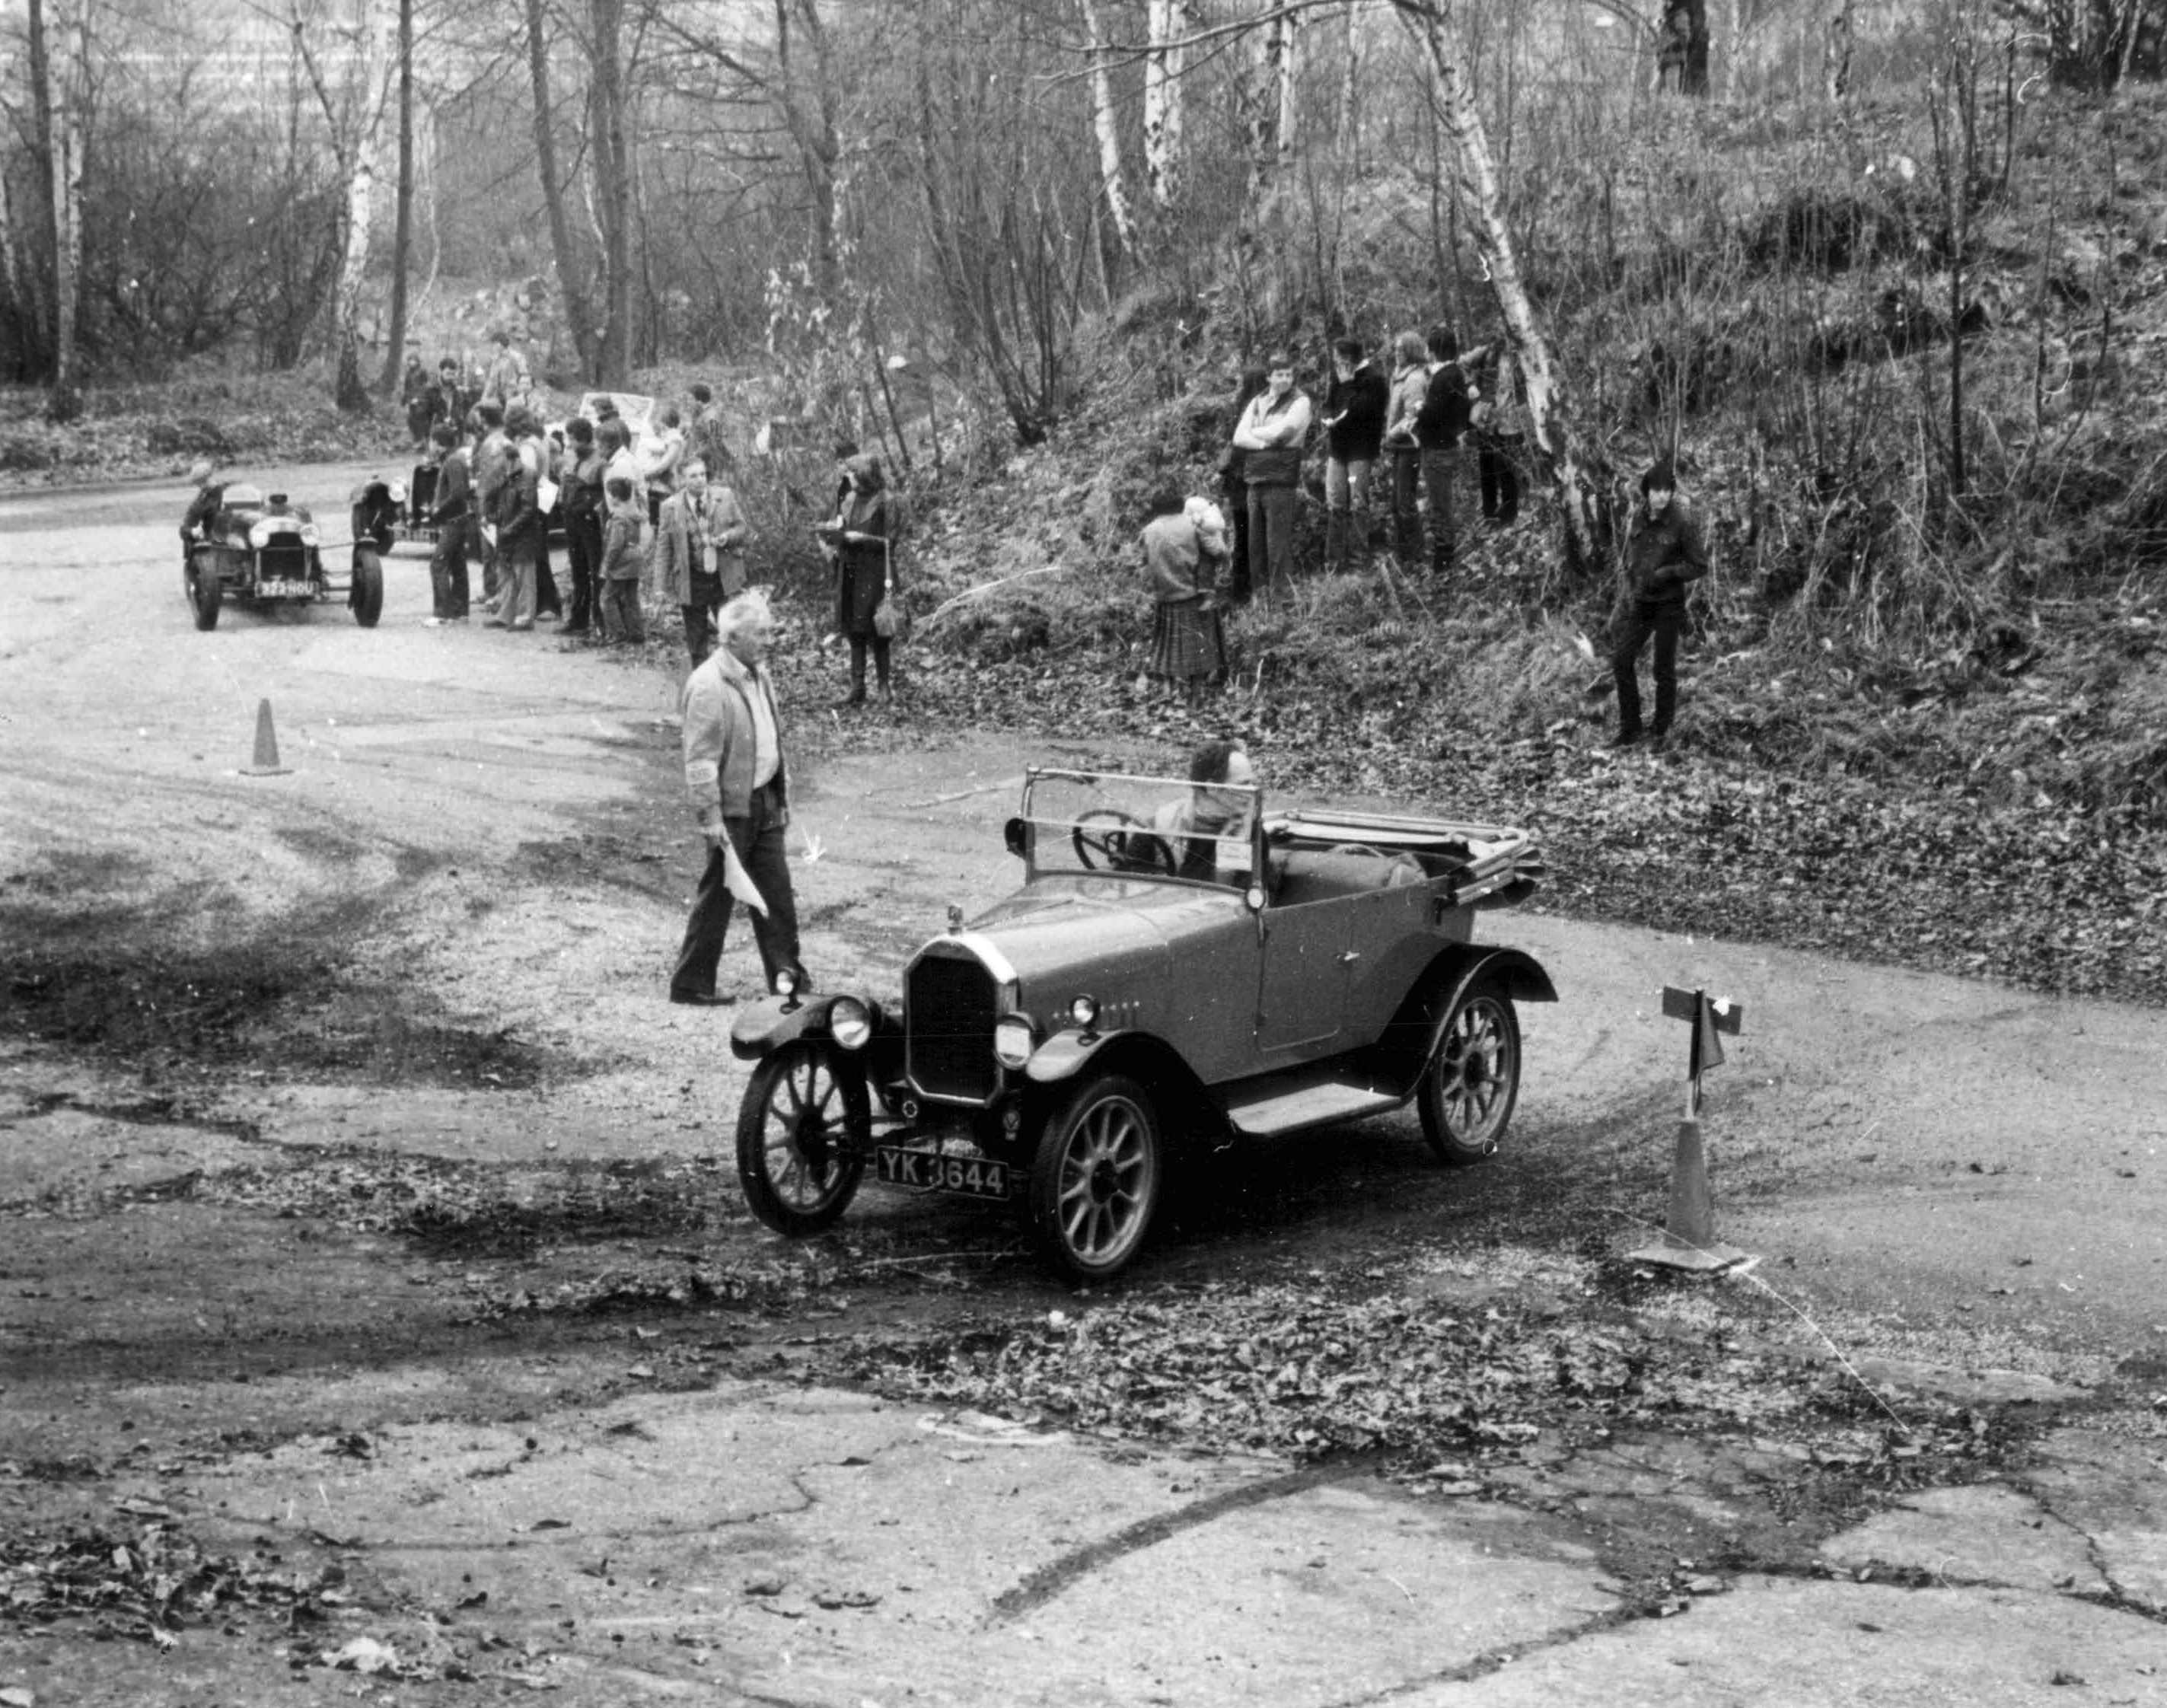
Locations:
column 1469, row 1087
column 797, row 1156
column 1098, row 1178
column 367, row 599
column 206, row 593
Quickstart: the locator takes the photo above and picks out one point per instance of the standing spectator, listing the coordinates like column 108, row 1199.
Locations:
column 660, row 462
column 1438, row 425
column 739, row 780
column 1409, row 386
column 582, row 485
column 490, row 471
column 862, row 537
column 1271, row 433
column 1499, row 432
column 1663, row 555
column 614, row 438
column 729, row 529
column 506, row 384
column 706, row 441
column 1181, row 567
column 518, row 518
column 618, row 616
column 1354, row 407
column 452, row 402
column 423, row 404
column 685, row 571
column 451, row 516
column 545, row 453
column 1234, row 488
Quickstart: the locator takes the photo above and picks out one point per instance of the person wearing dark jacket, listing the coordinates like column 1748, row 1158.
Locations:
column 1438, row 425
column 1409, row 388
column 1663, row 556
column 1234, row 488
column 1354, row 438
column 452, row 516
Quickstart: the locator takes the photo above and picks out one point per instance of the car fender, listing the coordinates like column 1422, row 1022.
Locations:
column 764, row 1027
column 1143, row 1056
column 1464, row 966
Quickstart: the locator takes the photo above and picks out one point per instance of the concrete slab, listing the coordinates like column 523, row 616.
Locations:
column 1987, row 1533
column 2114, row 1490
column 1810, row 1644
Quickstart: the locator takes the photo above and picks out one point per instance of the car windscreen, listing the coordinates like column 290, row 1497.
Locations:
column 1141, row 826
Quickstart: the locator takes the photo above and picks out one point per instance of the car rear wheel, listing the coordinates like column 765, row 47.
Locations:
column 1098, row 1178
column 205, row 591
column 368, row 598
column 1468, row 1089
column 796, row 1154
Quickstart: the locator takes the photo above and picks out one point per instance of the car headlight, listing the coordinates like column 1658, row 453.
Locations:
column 849, row 1023
column 786, row 984
column 1015, row 1037
column 309, row 534
column 1085, row 1012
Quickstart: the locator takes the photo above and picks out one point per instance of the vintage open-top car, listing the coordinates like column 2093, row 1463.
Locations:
column 1178, row 966
column 262, row 551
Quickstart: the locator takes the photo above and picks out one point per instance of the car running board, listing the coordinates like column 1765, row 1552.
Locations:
column 1311, row 1097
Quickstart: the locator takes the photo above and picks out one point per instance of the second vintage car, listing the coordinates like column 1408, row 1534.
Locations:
column 1178, row 966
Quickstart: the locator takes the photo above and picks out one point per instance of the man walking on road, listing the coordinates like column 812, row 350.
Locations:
column 1663, row 555
column 735, row 775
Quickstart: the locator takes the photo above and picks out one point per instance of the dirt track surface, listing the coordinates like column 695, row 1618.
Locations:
column 351, row 1153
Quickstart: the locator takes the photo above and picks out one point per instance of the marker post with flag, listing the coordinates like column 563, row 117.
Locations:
column 1689, row 1240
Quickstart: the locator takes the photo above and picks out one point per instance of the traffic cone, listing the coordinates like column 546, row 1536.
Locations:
column 1689, row 1240
column 267, row 746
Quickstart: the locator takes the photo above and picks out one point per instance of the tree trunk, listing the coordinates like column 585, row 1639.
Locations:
column 613, row 190
column 1839, row 53
column 1549, row 420
column 1118, row 210
column 373, row 83
column 65, row 86
column 1162, row 100
column 402, row 228
column 1272, row 109
column 578, row 310
column 810, row 114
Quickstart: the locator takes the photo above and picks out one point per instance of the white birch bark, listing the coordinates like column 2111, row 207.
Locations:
column 1285, row 30
column 1165, row 23
column 1548, row 419
column 1110, row 136
column 373, row 81
column 67, row 72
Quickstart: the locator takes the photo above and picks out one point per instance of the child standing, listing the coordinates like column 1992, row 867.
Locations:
column 619, row 618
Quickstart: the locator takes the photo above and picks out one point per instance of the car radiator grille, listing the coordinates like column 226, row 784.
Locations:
column 949, row 1004
column 282, row 561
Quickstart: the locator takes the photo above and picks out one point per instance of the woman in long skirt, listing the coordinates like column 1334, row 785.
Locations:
column 1182, row 563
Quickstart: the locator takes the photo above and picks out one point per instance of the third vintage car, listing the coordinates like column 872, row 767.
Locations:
column 1178, row 966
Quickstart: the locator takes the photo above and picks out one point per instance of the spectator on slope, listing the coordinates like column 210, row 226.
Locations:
column 618, row 616
column 1234, row 489
column 1439, row 426
column 1354, row 407
column 1182, row 561
column 1411, row 377
column 583, row 501
column 1271, row 435
column 1664, row 554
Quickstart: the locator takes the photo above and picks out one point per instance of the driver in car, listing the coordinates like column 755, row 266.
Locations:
column 1209, row 831
column 210, row 493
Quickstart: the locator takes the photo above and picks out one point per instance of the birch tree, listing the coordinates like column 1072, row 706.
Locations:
column 1165, row 23
column 357, row 130
column 1119, row 213
column 402, row 229
column 60, row 68
column 1548, row 414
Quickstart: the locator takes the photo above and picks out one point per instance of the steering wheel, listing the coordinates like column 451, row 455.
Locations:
column 1120, row 842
